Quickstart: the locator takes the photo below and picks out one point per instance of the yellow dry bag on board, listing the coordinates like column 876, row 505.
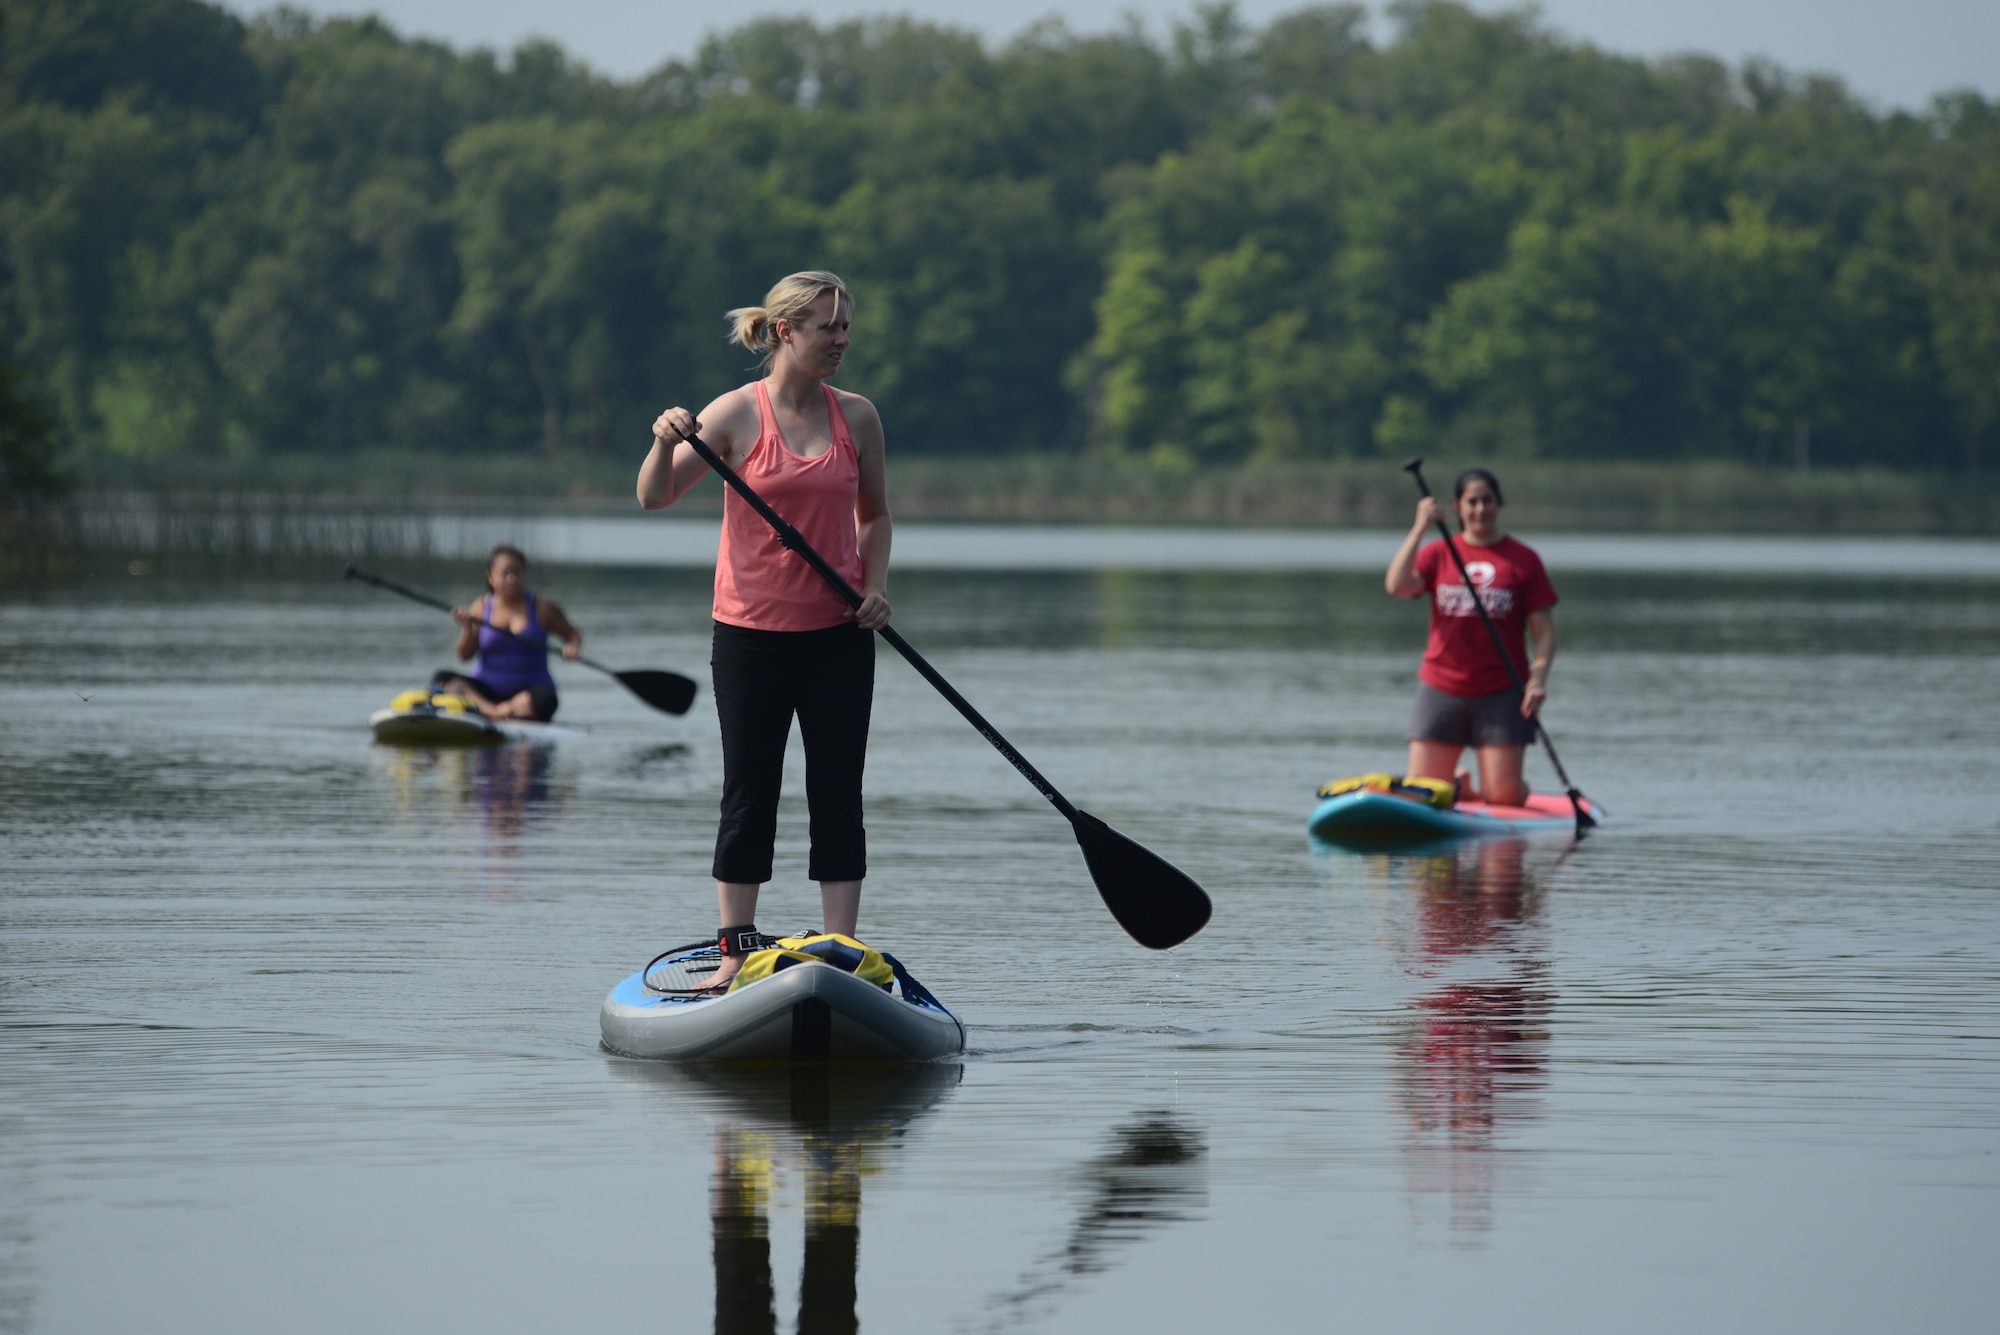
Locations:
column 1434, row 792
column 437, row 700
column 842, row 952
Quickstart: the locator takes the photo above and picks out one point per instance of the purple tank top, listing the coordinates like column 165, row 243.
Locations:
column 508, row 664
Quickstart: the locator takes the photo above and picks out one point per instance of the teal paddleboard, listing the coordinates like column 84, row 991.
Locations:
column 1367, row 818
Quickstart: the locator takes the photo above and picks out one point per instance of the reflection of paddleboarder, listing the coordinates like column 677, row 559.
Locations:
column 740, row 1210
column 1153, row 1173
column 1481, row 1048
column 1465, row 694
column 739, row 1206
column 510, row 783
column 835, row 1124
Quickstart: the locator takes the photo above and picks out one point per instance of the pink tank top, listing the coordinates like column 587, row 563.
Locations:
column 758, row 584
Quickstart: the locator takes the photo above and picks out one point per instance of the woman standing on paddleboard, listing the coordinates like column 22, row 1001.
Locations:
column 1465, row 695
column 785, row 643
column 512, row 679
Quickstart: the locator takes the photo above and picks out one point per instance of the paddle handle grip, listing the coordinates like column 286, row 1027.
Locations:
column 792, row 539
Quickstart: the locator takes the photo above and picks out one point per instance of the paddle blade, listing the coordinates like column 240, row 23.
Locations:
column 666, row 691
column 1156, row 902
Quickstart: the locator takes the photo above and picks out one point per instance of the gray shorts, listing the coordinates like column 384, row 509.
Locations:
column 1469, row 720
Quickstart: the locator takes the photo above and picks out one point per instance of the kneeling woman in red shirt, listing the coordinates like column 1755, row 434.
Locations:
column 1465, row 695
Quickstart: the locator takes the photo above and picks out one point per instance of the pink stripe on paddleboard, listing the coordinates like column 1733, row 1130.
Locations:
column 1541, row 806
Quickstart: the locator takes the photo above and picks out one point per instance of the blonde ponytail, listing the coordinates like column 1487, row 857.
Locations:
column 750, row 323
column 791, row 298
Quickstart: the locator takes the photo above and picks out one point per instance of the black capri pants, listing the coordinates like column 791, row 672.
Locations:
column 762, row 678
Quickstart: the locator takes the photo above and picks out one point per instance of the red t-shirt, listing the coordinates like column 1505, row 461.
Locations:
column 1511, row 582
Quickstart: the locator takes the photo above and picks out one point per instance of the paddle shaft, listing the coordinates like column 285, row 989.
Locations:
column 793, row 540
column 353, row 572
column 1415, row 468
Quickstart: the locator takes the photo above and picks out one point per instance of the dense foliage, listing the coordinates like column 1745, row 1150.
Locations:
column 28, row 466
column 1290, row 242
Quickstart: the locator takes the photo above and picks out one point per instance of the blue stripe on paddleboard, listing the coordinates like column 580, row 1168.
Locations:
column 633, row 992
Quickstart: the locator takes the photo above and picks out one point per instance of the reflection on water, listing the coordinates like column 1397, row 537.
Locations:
column 740, row 1206
column 17, row 1287
column 646, row 762
column 510, row 788
column 1474, row 1054
column 508, row 784
column 831, row 1126
column 1154, row 1173
column 1479, row 1055
column 298, row 1030
column 746, row 1162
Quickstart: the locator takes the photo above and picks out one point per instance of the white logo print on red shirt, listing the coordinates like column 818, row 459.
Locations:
column 1453, row 600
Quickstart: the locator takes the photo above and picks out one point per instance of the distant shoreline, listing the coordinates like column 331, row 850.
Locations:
column 1719, row 498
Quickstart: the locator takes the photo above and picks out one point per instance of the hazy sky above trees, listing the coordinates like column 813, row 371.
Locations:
column 1895, row 55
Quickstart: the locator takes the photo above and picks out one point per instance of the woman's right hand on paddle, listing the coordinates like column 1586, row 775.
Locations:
column 464, row 615
column 674, row 426
column 873, row 614
column 1429, row 512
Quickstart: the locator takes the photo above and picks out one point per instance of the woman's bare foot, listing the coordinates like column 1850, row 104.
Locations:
column 462, row 688
column 521, row 706
column 718, row 982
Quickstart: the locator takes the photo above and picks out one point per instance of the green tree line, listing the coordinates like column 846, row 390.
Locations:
column 1293, row 241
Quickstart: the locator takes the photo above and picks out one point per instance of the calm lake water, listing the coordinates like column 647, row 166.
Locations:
column 299, row 1034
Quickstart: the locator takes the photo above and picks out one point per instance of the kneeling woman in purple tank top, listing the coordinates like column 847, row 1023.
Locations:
column 512, row 679
column 785, row 643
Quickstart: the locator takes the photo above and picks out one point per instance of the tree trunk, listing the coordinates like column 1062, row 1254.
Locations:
column 552, row 416
column 598, row 424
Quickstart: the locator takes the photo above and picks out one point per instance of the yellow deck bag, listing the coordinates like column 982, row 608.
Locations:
column 842, row 952
column 1434, row 792
column 1335, row 787
column 438, row 700
column 1437, row 792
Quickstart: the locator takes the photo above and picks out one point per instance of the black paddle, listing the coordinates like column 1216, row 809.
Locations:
column 668, row 692
column 1157, row 903
column 1584, row 820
